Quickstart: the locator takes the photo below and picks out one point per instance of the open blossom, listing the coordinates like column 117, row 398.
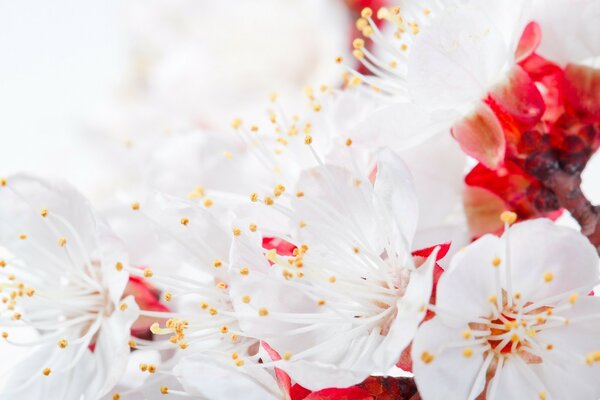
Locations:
column 64, row 281
column 200, row 335
column 349, row 298
column 443, row 66
column 514, row 319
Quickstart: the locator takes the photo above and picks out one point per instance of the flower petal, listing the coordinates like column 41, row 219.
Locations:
column 546, row 259
column 448, row 370
column 470, row 268
column 480, row 135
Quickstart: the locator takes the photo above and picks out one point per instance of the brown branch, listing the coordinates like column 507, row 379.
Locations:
column 567, row 188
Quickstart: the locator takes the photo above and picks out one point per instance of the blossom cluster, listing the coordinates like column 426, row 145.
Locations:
column 400, row 236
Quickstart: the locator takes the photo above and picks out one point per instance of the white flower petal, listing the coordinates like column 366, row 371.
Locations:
column 546, row 259
column 395, row 189
column 470, row 268
column 570, row 29
column 214, row 377
column 448, row 367
column 473, row 58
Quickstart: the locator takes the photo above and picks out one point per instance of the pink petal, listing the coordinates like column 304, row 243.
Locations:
column 283, row 379
column 582, row 91
column 519, row 98
column 529, row 42
column 480, row 135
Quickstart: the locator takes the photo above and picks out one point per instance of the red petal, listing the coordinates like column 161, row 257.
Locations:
column 426, row 252
column 283, row 379
column 282, row 247
column 582, row 91
column 298, row 392
column 529, row 42
column 480, row 135
column 351, row 393
column 519, row 98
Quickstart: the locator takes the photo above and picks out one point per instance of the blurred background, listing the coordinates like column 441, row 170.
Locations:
column 81, row 82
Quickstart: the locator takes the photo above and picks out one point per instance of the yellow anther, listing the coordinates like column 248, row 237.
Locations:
column 183, row 345
column 46, row 371
column 222, row 285
column 508, row 217
column 184, row 221
column 358, row 43
column 332, row 279
column 531, row 332
column 426, row 11
column 236, row 123
column 496, row 261
column 308, row 139
column 287, row 356
column 203, row 305
column 254, row 128
column 234, row 356
column 16, row 316
column 348, row 142
column 263, row 312
column 252, row 227
column 540, row 320
column 164, row 390
column 321, row 302
column 213, row 311
column 148, row 273
column 358, row 54
column 155, row 328
column 234, row 338
column 3, row 182
column 207, row 203
column 62, row 343
column 244, row 271
column 217, row 263
column 492, row 298
column 30, row 292
column 151, row 368
column 123, row 307
column 339, row 59
column 302, row 224
column 357, row 182
column 517, row 295
column 132, row 343
column 361, row 24
column 22, row 236
column 515, row 338
column 273, row 97
column 224, row 329
column 549, row 346
column 2, row 263
column 269, row 201
column 246, row 299
column 254, row 197
column 119, row 266
column 366, row 12
column 573, row 298
column 167, row 296
column 116, row 396
column 316, row 108
column 426, row 357
column 467, row 334
column 239, row 363
column 135, row 206
column 300, row 194
column 548, row 277
column 4, row 335
column 467, row 352
column 143, row 367
column 542, row 396
column 44, row 212
column 237, row 231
